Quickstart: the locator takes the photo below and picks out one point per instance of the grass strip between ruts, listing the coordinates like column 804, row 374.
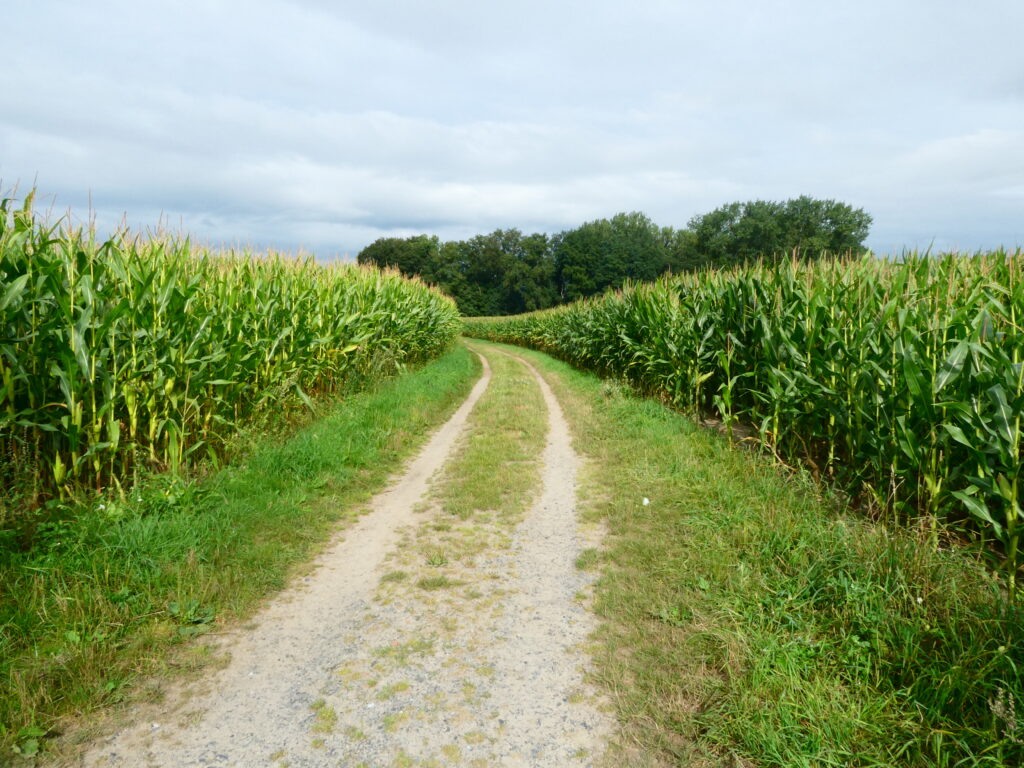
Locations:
column 483, row 490
column 497, row 469
column 747, row 621
column 100, row 603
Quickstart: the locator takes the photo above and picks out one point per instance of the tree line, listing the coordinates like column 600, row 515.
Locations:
column 506, row 272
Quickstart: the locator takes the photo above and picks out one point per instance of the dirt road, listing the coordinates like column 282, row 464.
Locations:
column 361, row 664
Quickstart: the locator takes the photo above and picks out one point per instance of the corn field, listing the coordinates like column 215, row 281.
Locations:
column 127, row 354
column 900, row 382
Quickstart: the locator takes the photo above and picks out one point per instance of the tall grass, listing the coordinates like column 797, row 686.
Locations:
column 130, row 353
column 899, row 382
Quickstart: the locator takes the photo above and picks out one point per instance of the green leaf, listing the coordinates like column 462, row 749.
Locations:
column 27, row 748
column 977, row 508
column 958, row 434
column 906, row 439
column 1003, row 415
column 305, row 398
column 81, row 353
column 912, row 376
column 16, row 287
column 952, row 366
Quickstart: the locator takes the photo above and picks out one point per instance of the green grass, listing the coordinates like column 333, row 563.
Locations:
column 748, row 621
column 497, row 470
column 105, row 594
column 431, row 583
column 325, row 719
column 401, row 653
column 486, row 486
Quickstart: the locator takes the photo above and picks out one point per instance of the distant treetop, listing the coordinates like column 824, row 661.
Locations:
column 506, row 272
column 741, row 232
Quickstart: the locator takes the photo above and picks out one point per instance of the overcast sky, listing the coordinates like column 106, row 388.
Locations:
column 325, row 125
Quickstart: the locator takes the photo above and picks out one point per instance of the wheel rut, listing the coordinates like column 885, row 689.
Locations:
column 542, row 631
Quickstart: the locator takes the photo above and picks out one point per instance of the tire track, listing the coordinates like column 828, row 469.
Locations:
column 544, row 625
column 256, row 706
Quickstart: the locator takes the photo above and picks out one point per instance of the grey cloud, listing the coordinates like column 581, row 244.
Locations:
column 328, row 124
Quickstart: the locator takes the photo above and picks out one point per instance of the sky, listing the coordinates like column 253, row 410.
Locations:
column 321, row 126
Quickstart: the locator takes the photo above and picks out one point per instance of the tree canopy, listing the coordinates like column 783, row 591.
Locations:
column 605, row 253
column 507, row 272
column 741, row 232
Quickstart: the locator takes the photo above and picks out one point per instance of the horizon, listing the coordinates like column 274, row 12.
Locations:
column 162, row 228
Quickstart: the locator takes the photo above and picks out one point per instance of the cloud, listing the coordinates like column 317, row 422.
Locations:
column 981, row 160
column 328, row 124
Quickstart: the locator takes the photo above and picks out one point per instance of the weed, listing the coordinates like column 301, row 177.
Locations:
column 393, row 721
column 431, row 583
column 326, row 718
column 354, row 734
column 437, row 558
column 588, row 559
column 401, row 652
column 390, row 691
column 451, row 753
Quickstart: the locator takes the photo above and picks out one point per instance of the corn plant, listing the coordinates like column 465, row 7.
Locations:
column 131, row 353
column 900, row 382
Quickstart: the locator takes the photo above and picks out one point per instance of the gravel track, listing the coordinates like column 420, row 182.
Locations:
column 348, row 668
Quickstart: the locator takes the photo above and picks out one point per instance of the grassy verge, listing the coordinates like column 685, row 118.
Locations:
column 484, row 489
column 97, row 604
column 498, row 470
column 747, row 621
column 489, row 483
column 425, row 662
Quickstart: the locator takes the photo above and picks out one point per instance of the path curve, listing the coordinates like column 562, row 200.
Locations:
column 276, row 669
